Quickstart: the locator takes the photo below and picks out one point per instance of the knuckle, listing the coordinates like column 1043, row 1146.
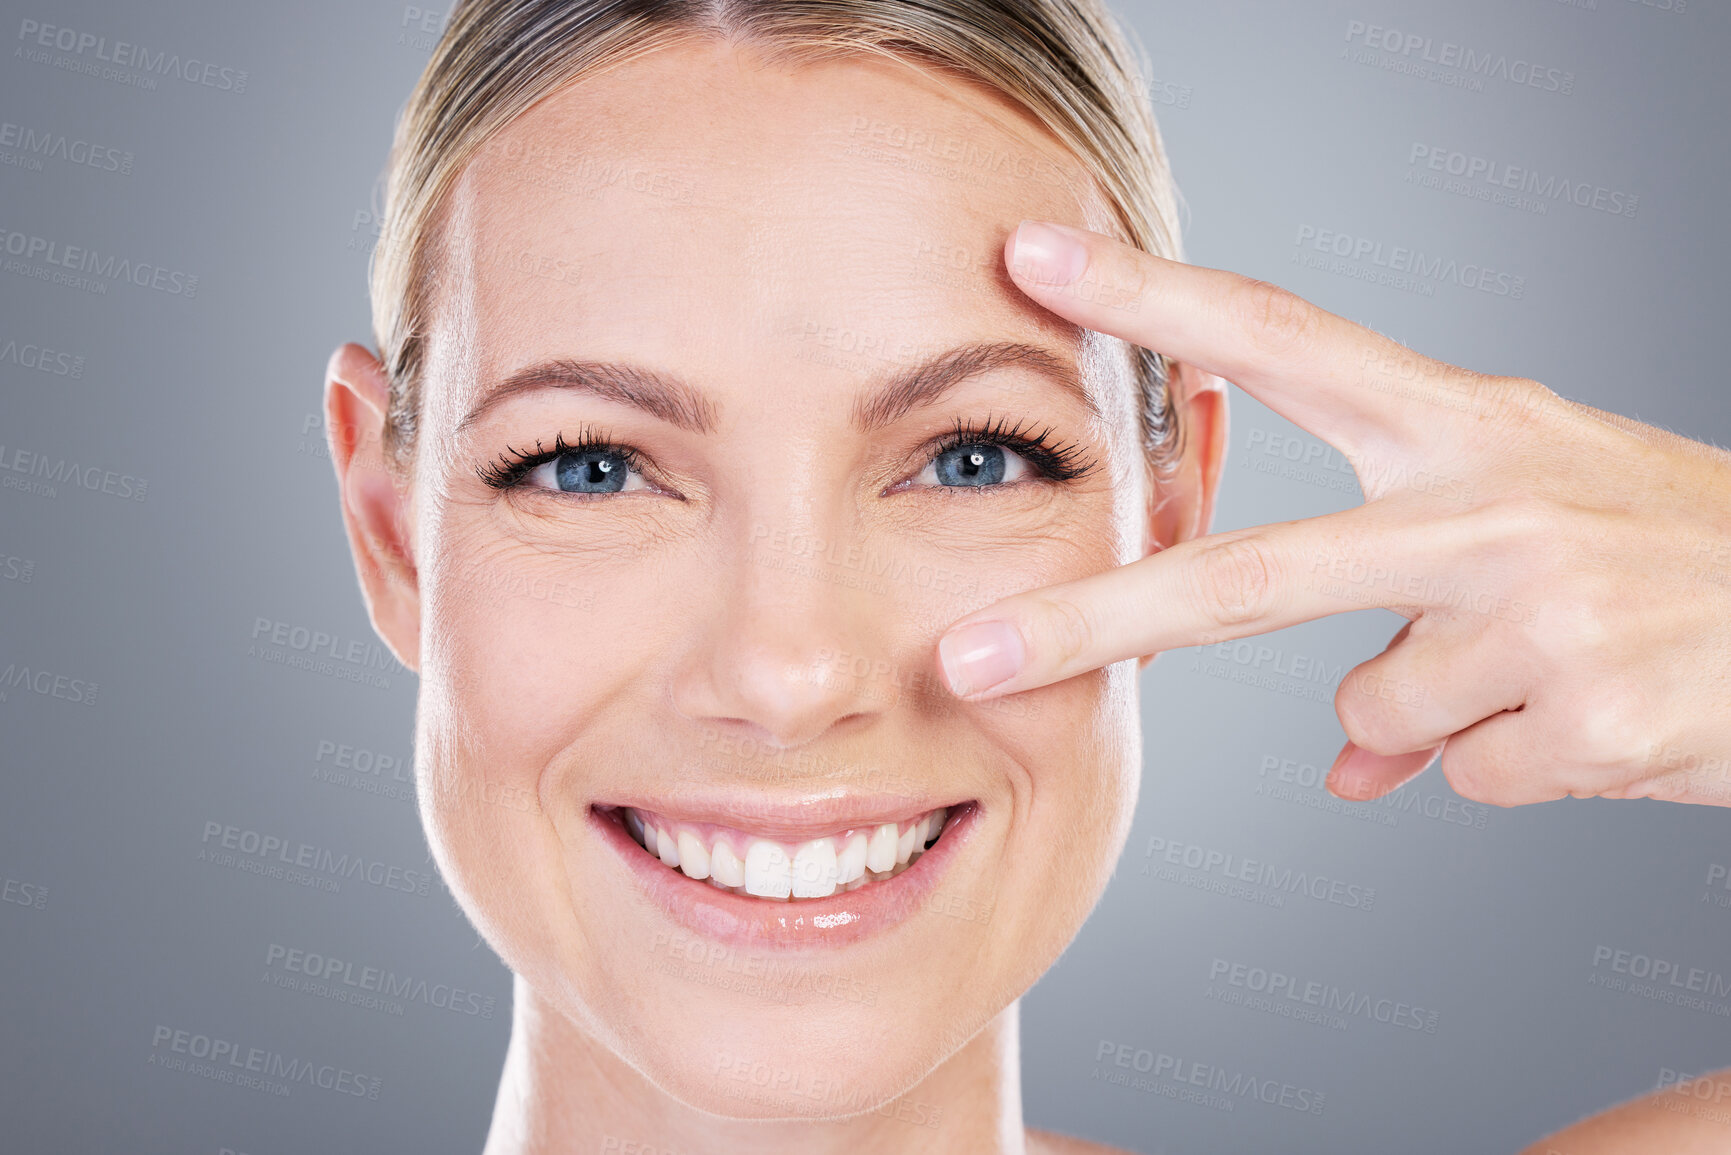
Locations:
column 1469, row 777
column 1237, row 581
column 1522, row 400
column 1068, row 629
column 1529, row 536
column 1668, row 787
column 1615, row 730
column 1130, row 280
column 1278, row 320
column 1507, row 765
column 1368, row 720
column 1577, row 618
column 1523, row 518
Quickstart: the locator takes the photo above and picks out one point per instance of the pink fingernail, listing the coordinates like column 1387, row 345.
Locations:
column 1347, row 778
column 981, row 655
column 1044, row 254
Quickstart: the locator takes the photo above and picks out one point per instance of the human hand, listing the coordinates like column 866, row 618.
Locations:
column 1565, row 572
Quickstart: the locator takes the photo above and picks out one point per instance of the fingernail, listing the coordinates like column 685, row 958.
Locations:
column 1347, row 778
column 981, row 655
column 1360, row 776
column 1042, row 253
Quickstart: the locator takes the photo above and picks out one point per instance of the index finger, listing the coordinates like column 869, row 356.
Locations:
column 1348, row 384
column 1198, row 592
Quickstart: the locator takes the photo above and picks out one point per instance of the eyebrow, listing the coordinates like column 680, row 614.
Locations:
column 925, row 383
column 654, row 393
column 676, row 402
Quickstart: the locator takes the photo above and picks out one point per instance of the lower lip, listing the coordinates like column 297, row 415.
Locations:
column 839, row 920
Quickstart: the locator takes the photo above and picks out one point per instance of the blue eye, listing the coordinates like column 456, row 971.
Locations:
column 588, row 470
column 974, row 464
column 971, row 457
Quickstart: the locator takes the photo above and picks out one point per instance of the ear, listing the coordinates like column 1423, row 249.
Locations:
column 377, row 504
column 1181, row 507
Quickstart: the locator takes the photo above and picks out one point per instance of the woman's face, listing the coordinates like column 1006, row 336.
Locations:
column 767, row 299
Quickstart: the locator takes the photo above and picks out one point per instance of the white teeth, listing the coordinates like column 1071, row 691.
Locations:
column 768, row 871
column 881, row 854
column 725, row 866
column 851, row 862
column 814, row 869
column 778, row 871
column 693, row 858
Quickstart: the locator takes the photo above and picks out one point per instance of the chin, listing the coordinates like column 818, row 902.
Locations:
column 763, row 947
column 814, row 961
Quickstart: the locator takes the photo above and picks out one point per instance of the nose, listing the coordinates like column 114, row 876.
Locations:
column 787, row 645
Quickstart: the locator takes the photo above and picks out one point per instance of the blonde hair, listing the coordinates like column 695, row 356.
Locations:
column 1067, row 62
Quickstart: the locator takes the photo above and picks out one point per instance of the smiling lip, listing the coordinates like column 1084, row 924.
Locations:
column 838, row 920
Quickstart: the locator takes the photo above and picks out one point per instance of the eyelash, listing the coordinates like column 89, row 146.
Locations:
column 1065, row 461
column 512, row 466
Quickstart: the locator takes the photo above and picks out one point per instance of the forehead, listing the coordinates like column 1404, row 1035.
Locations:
column 701, row 211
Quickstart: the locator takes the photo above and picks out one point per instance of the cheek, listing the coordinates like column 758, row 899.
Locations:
column 1076, row 748
column 525, row 645
column 523, row 652
column 1070, row 760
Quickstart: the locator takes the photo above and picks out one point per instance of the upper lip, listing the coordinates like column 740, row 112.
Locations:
column 794, row 817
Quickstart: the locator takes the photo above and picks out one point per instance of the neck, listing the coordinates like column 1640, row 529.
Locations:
column 563, row 1092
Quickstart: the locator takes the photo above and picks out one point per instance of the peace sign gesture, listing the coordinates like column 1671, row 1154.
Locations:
column 1565, row 572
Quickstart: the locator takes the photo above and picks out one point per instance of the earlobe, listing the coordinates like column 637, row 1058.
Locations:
column 376, row 502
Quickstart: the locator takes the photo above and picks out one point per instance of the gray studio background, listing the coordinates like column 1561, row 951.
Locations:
column 203, row 504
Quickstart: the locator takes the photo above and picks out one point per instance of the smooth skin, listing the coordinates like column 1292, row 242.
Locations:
column 1565, row 573
column 755, row 232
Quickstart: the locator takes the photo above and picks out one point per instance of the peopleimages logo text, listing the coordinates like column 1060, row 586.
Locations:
column 1448, row 54
column 1415, row 261
column 1542, row 187
column 60, row 471
column 331, row 971
column 58, row 146
column 144, row 274
column 123, row 54
column 225, row 1057
column 275, row 850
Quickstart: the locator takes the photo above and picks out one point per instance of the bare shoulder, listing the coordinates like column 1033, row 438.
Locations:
column 1052, row 1143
